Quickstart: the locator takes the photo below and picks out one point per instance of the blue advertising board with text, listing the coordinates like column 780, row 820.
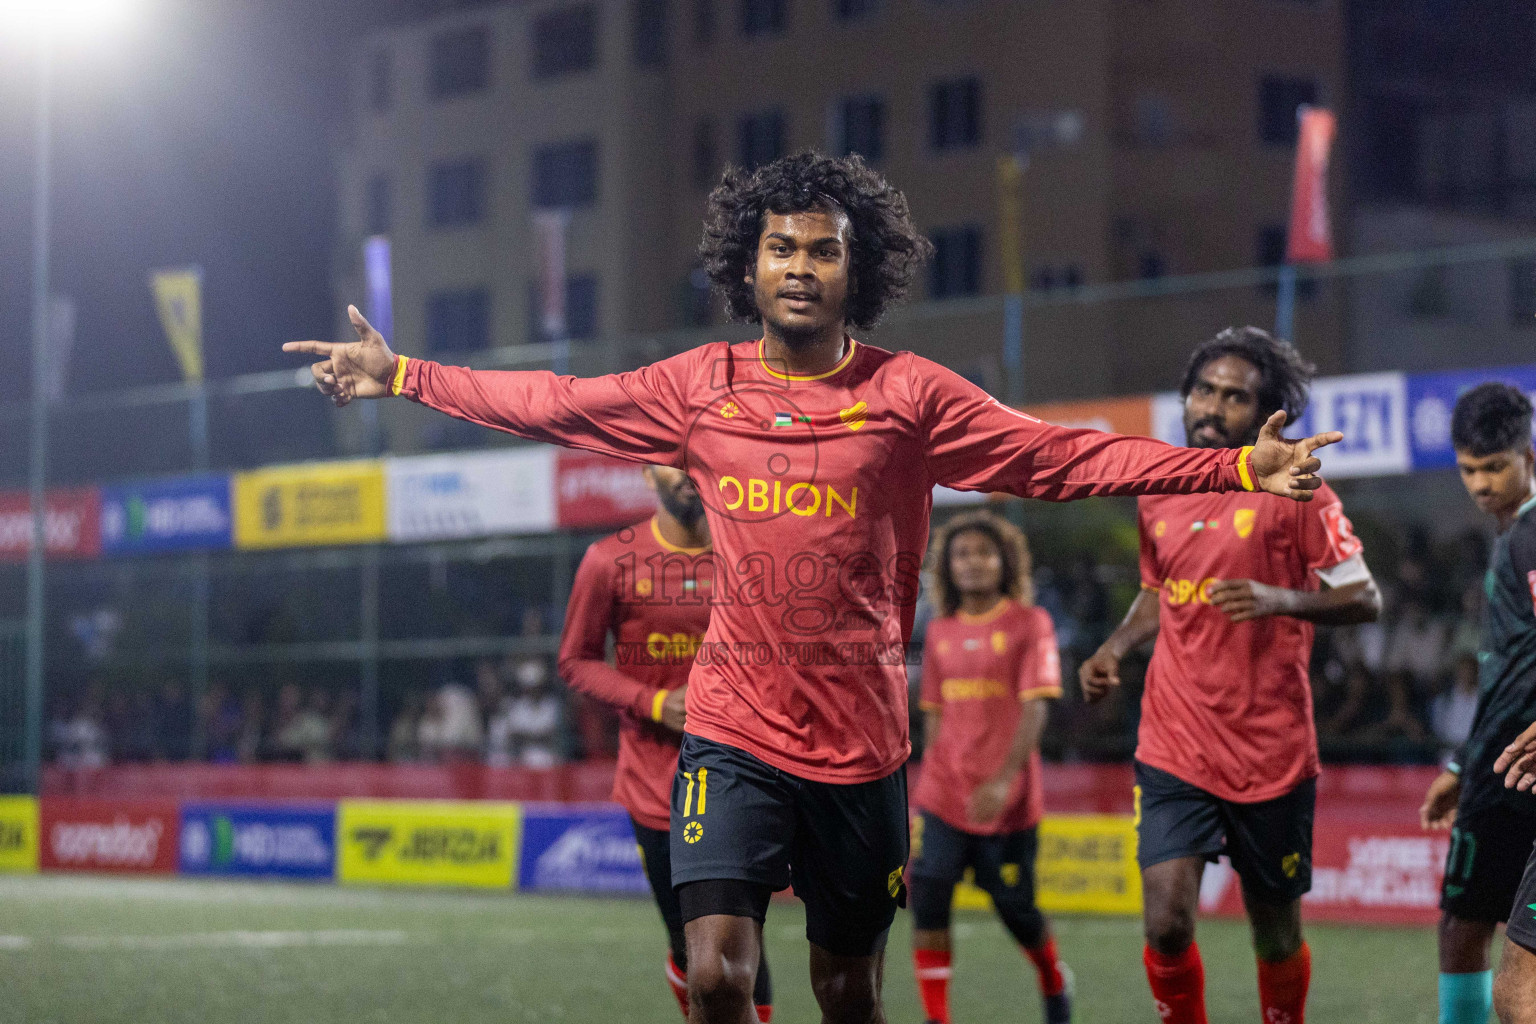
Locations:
column 1431, row 400
column 188, row 513
column 580, row 848
column 295, row 841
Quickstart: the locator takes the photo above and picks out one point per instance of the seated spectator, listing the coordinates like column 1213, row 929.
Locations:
column 305, row 733
column 402, row 746
column 527, row 730
column 82, row 739
column 451, row 729
column 220, row 716
column 1451, row 712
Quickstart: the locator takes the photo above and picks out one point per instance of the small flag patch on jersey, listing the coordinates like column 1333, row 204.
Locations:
column 784, row 419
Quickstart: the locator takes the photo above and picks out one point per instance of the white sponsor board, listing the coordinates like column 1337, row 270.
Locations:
column 474, row 494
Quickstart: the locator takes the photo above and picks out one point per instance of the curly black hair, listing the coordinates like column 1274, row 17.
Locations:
column 1011, row 544
column 887, row 248
column 1285, row 378
column 1491, row 418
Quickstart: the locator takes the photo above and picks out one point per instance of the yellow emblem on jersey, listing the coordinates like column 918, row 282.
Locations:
column 730, row 409
column 1242, row 521
column 692, row 832
column 999, row 641
column 1290, row 864
column 853, row 418
column 1160, row 529
column 893, row 883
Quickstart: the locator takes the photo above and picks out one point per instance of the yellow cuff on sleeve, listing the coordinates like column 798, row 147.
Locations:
column 656, row 703
column 1242, row 467
column 399, row 381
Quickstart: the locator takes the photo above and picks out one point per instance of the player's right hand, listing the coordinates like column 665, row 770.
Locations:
column 1439, row 810
column 1098, row 674
column 354, row 369
column 1518, row 761
column 673, row 710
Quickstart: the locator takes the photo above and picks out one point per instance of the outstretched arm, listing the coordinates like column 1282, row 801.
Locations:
column 975, row 443
column 637, row 416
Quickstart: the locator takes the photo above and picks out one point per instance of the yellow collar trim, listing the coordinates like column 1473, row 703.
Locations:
column 668, row 545
column 842, row 364
column 986, row 616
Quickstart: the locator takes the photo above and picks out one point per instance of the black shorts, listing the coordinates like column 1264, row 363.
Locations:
column 1269, row 843
column 736, row 818
column 656, row 858
column 941, row 853
column 1486, row 862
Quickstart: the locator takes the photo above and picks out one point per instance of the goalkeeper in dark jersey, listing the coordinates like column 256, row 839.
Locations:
column 1492, row 828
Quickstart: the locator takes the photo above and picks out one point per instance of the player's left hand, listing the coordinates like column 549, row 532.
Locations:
column 987, row 801
column 1518, row 761
column 1242, row 600
column 1284, row 467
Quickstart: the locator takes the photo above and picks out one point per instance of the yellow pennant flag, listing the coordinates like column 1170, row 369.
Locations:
column 179, row 300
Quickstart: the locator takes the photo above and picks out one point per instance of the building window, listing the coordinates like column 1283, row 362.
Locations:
column 459, row 320
column 762, row 139
column 1522, row 292
column 704, row 158
column 650, row 28
column 565, row 174
column 1269, row 251
column 564, row 42
column 956, row 267
column 858, row 126
column 455, row 193
column 703, row 21
column 460, row 62
column 759, row 16
column 853, row 10
column 1048, row 278
column 955, row 114
column 380, row 84
column 1150, row 265
column 1278, row 99
column 376, row 217
column 580, row 309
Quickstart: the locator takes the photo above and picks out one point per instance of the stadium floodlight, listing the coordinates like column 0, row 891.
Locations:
column 62, row 18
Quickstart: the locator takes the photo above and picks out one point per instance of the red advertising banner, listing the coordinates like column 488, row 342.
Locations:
column 594, row 491
column 72, row 525
column 127, row 836
column 1311, row 236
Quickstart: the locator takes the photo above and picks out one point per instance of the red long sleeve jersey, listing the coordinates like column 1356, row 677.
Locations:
column 818, row 491
column 629, row 584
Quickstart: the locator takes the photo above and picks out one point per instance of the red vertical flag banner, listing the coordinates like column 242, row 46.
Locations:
column 1311, row 236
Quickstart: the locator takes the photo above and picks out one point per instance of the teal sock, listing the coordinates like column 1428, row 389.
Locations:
column 1466, row 998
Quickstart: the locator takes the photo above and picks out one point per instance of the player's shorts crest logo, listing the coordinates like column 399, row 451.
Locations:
column 853, row 418
column 893, row 883
column 730, row 409
column 999, row 641
column 1290, row 864
column 692, row 832
column 1009, row 873
column 1242, row 522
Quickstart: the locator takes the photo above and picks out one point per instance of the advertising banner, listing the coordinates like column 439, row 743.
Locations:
column 1086, row 865
column 1432, row 398
column 128, row 836
column 580, row 848
column 427, row 842
column 442, row 497
column 252, row 839
column 1131, row 415
column 1310, row 239
column 1371, row 409
column 18, row 833
column 72, row 524
column 594, row 491
column 188, row 513
column 311, row 504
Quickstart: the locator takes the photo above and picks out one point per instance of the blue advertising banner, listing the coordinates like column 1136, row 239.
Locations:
column 251, row 839
column 1432, row 397
column 188, row 513
column 581, row 848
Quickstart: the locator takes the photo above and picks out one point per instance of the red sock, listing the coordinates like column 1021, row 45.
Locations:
column 1178, row 985
column 679, row 985
column 1048, row 963
column 1283, row 988
column 764, row 1014
column 933, row 974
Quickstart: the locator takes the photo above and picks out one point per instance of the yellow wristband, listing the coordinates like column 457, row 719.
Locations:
column 1242, row 468
column 399, row 381
column 656, row 703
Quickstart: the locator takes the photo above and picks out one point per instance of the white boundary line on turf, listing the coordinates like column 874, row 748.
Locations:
column 239, row 940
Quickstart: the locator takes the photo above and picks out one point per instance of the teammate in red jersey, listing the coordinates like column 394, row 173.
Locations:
column 1226, row 760
column 816, row 458
column 647, row 586
column 990, row 664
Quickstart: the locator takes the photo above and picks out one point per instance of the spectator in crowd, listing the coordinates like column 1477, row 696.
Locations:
column 303, row 730
column 82, row 739
column 1451, row 712
column 451, row 729
column 220, row 718
column 402, row 746
column 528, row 729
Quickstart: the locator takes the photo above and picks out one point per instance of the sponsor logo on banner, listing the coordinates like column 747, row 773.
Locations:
column 1432, row 398
column 314, row 503
column 1371, row 409
column 1086, row 865
column 248, row 840
column 438, row 497
column 18, row 833
column 179, row 514
column 134, row 836
column 71, row 524
column 427, row 842
column 594, row 491
column 580, row 849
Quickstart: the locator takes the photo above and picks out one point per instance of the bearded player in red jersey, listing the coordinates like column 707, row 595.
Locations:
column 1226, row 760
column 816, row 458
column 990, row 664
column 647, row 586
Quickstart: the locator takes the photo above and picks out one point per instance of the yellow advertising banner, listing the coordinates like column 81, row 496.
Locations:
column 309, row 504
column 18, row 833
column 1086, row 865
column 428, row 842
